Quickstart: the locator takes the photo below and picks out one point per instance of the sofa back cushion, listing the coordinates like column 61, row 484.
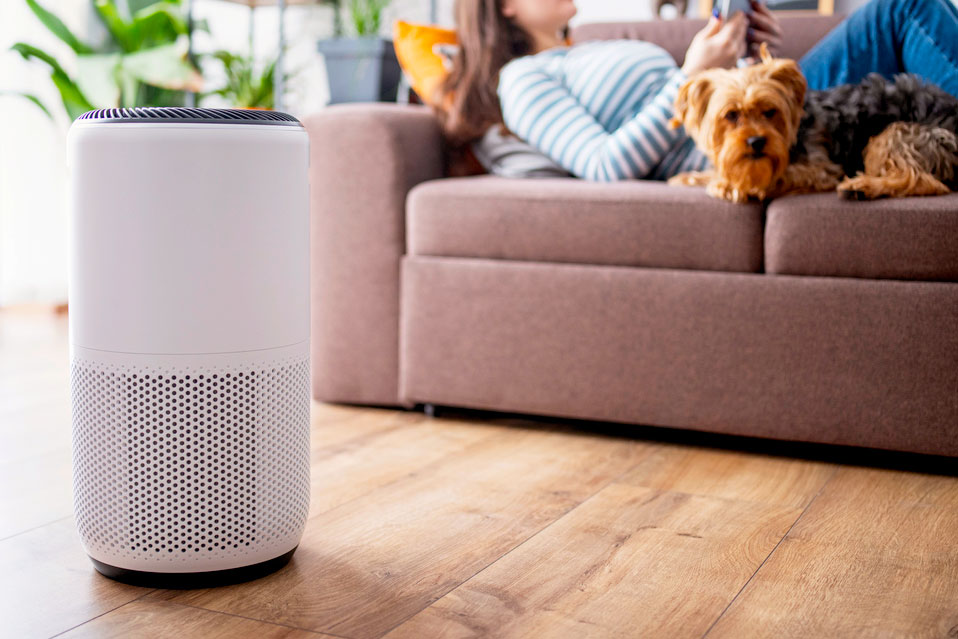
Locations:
column 801, row 33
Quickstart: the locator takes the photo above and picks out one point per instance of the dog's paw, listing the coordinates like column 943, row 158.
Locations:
column 725, row 191
column 851, row 194
column 868, row 187
column 858, row 188
column 694, row 178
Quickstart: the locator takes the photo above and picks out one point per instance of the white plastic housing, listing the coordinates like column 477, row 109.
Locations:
column 189, row 328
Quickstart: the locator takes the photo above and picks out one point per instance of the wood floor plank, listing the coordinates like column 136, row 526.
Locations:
column 35, row 491
column 153, row 619
column 331, row 424
column 500, row 526
column 630, row 562
column 366, row 566
column 732, row 474
column 875, row 555
column 344, row 471
column 48, row 584
column 34, row 386
column 35, row 431
column 35, row 346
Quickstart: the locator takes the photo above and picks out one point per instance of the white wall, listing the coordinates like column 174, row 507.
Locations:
column 32, row 168
column 612, row 11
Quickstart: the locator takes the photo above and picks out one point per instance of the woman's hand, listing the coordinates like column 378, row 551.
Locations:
column 763, row 27
column 720, row 44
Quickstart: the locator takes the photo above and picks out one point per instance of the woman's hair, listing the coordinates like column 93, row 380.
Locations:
column 467, row 104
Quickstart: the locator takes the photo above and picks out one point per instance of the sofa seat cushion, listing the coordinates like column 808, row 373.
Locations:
column 903, row 238
column 636, row 223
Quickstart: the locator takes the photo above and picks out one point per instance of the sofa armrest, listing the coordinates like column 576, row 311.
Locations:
column 364, row 159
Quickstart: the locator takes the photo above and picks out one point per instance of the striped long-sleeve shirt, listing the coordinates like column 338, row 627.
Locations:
column 600, row 109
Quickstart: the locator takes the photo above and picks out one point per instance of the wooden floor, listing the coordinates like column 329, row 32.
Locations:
column 473, row 525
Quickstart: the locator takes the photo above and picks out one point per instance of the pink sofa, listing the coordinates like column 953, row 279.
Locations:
column 809, row 319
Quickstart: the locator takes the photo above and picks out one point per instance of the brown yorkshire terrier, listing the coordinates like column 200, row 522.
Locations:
column 766, row 135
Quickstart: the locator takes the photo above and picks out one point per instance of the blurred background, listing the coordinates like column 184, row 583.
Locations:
column 59, row 58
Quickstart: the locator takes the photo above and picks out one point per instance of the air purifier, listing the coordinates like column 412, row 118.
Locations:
column 189, row 328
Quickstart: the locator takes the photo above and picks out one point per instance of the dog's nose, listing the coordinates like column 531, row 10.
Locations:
column 757, row 142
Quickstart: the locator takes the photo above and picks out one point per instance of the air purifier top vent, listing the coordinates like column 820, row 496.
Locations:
column 181, row 115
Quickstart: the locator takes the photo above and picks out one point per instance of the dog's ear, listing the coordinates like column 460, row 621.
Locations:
column 787, row 73
column 692, row 102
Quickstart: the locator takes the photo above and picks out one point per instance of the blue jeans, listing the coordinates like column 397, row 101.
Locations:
column 889, row 37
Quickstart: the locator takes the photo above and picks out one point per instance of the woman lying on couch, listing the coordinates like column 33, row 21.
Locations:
column 600, row 110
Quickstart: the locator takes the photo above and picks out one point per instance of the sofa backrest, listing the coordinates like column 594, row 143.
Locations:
column 801, row 32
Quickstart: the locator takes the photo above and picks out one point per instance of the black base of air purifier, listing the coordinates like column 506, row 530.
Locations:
column 187, row 580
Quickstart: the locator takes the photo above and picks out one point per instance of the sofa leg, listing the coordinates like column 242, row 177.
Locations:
column 431, row 410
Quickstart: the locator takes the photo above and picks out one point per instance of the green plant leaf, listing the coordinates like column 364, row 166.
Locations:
column 357, row 11
column 245, row 87
column 228, row 59
column 129, row 87
column 57, row 28
column 118, row 28
column 29, row 51
column 154, row 96
column 157, row 24
column 164, row 66
column 201, row 25
column 167, row 11
column 97, row 78
column 31, row 98
column 133, row 6
column 367, row 15
column 144, row 62
column 73, row 99
column 263, row 95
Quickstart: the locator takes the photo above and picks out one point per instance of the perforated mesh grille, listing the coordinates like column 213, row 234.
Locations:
column 176, row 465
column 185, row 114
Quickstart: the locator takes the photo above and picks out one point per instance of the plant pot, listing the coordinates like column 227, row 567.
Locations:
column 360, row 69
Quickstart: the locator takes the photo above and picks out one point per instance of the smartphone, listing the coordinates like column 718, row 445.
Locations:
column 727, row 8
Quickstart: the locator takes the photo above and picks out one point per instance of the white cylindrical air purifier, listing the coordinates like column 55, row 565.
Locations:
column 189, row 329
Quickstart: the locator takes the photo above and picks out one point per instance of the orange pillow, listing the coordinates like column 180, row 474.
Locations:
column 417, row 49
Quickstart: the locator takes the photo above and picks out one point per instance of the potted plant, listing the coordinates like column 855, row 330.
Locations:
column 144, row 60
column 244, row 87
column 361, row 68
